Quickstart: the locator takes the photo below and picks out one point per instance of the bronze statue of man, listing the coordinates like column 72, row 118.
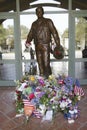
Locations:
column 41, row 31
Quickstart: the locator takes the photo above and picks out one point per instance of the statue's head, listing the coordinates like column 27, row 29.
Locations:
column 39, row 11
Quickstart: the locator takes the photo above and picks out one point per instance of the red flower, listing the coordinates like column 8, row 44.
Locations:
column 57, row 52
column 31, row 96
column 19, row 97
column 17, row 92
column 26, row 86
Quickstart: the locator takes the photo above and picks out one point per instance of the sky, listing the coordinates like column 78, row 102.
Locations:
column 60, row 20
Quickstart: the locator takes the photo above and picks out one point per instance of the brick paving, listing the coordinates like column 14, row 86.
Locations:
column 9, row 121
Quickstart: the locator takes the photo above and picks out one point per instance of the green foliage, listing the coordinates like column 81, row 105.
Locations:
column 19, row 106
column 8, row 33
column 45, row 100
column 80, row 26
column 24, row 32
column 2, row 34
column 10, row 30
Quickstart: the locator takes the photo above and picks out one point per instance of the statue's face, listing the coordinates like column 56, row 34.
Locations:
column 39, row 12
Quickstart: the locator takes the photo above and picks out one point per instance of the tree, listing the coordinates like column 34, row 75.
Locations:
column 10, row 30
column 80, row 30
column 2, row 35
column 9, row 34
column 80, row 26
column 24, row 32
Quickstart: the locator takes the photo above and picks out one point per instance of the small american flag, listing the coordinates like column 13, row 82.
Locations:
column 37, row 114
column 27, row 102
column 28, row 107
column 78, row 91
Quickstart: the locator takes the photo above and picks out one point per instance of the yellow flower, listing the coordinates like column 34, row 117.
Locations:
column 51, row 77
column 79, row 98
column 32, row 78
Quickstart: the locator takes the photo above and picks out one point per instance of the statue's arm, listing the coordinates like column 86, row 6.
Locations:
column 54, row 32
column 30, row 35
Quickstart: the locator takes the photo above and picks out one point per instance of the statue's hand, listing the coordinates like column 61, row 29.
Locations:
column 27, row 44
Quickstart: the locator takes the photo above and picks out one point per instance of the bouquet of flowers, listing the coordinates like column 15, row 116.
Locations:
column 44, row 98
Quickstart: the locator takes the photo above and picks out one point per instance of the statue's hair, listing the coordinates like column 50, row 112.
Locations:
column 40, row 7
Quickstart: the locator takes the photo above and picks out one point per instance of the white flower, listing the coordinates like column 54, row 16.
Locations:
column 63, row 104
column 68, row 101
column 42, row 109
column 22, row 86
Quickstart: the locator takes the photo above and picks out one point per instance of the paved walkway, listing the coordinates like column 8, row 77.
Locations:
column 8, row 121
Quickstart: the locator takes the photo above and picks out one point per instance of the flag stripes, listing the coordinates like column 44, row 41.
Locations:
column 78, row 91
column 37, row 114
column 27, row 102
